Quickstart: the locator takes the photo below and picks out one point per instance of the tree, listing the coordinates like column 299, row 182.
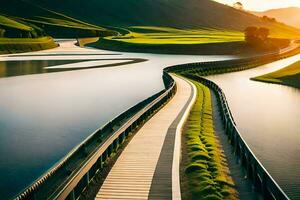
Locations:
column 238, row 5
column 263, row 33
column 250, row 34
column 256, row 36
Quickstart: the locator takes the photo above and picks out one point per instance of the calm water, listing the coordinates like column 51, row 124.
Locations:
column 17, row 68
column 268, row 117
column 44, row 116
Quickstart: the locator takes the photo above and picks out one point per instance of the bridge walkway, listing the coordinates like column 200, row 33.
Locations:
column 148, row 168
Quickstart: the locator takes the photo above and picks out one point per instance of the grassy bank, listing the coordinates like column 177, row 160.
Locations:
column 52, row 23
column 85, row 41
column 151, row 39
column 289, row 75
column 18, row 45
column 206, row 173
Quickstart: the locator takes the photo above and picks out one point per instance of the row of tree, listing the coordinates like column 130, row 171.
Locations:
column 16, row 33
column 256, row 35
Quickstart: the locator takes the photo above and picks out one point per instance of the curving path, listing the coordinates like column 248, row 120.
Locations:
column 148, row 167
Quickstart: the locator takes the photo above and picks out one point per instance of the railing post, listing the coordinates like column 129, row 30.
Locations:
column 100, row 162
column 116, row 144
column 254, row 176
column 235, row 144
column 105, row 155
column 72, row 195
column 264, row 186
column 87, row 178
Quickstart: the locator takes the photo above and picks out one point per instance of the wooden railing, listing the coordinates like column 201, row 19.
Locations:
column 260, row 177
column 74, row 172
column 225, row 66
column 68, row 178
column 262, row 180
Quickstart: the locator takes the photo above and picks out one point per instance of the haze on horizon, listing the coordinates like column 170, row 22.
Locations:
column 262, row 5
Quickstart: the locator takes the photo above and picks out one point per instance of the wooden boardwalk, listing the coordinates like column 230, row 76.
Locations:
column 144, row 169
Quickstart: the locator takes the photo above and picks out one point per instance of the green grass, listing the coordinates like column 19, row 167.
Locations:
column 206, row 171
column 53, row 23
column 18, row 45
column 62, row 23
column 151, row 35
column 7, row 22
column 203, row 41
column 282, row 31
column 289, row 75
column 25, row 40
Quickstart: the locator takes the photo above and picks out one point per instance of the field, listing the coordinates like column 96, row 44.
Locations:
column 206, row 171
column 7, row 22
column 54, row 24
column 153, row 39
column 148, row 35
column 289, row 75
column 17, row 45
column 282, row 31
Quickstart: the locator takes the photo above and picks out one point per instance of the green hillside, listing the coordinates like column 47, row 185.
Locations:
column 170, row 26
column 180, row 26
column 6, row 22
column 181, row 14
column 53, row 23
column 18, row 36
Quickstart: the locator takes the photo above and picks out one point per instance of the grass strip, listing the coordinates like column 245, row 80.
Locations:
column 289, row 75
column 206, row 168
column 18, row 45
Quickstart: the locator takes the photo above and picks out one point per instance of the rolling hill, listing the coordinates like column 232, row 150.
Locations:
column 290, row 16
column 145, row 24
column 19, row 36
column 53, row 23
column 185, row 14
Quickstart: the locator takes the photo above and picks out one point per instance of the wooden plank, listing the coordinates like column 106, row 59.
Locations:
column 132, row 175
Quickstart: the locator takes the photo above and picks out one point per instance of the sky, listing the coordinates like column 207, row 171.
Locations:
column 261, row 5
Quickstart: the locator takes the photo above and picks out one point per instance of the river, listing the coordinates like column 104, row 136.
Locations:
column 268, row 117
column 44, row 115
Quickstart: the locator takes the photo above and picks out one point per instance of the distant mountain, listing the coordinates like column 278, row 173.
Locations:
column 290, row 16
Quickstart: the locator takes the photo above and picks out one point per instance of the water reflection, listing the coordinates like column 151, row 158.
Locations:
column 43, row 117
column 18, row 68
column 268, row 118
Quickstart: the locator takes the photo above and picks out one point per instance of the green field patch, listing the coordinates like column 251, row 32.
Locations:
column 18, row 45
column 7, row 22
column 165, row 35
column 289, row 75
